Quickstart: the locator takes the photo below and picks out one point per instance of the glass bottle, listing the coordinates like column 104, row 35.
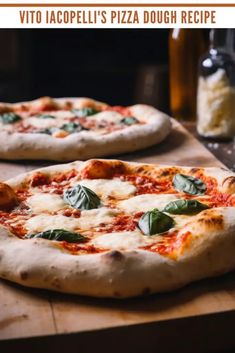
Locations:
column 185, row 48
column 216, row 87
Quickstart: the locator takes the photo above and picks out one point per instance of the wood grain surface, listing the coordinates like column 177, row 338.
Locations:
column 38, row 320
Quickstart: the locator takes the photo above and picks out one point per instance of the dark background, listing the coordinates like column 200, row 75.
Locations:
column 117, row 66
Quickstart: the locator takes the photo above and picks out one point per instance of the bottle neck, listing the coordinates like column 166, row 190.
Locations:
column 221, row 40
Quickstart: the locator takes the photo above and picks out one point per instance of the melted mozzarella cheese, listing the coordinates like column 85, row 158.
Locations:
column 180, row 220
column 122, row 240
column 45, row 203
column 93, row 218
column 109, row 187
column 89, row 219
column 146, row 202
column 109, row 116
column 41, row 123
column 61, row 117
column 43, row 222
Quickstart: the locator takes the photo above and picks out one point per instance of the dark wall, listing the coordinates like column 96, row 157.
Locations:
column 110, row 65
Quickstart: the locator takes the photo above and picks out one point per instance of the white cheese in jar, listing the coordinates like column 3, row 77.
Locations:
column 216, row 106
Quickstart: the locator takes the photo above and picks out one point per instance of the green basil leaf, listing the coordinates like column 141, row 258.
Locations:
column 185, row 207
column 45, row 116
column 81, row 198
column 189, row 184
column 129, row 120
column 72, row 127
column 82, row 113
column 9, row 118
column 48, row 131
column 58, row 235
column 154, row 222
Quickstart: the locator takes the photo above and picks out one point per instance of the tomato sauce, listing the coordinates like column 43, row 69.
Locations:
column 121, row 223
column 56, row 183
column 169, row 244
column 148, row 185
column 39, row 179
column 59, row 177
column 22, row 195
column 76, row 249
column 24, row 128
column 11, row 221
column 119, row 109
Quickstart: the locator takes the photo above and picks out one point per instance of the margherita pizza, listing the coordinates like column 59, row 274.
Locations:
column 77, row 128
column 109, row 228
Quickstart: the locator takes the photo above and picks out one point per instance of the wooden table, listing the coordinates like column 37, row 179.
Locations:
column 198, row 318
column 223, row 150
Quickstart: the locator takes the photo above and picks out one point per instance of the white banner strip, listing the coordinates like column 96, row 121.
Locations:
column 117, row 17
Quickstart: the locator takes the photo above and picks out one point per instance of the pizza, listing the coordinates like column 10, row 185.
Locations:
column 108, row 228
column 67, row 129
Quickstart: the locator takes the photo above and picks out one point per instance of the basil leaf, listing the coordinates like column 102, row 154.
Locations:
column 9, row 118
column 82, row 113
column 58, row 235
column 154, row 222
column 129, row 120
column 185, row 207
column 189, row 184
column 45, row 116
column 72, row 127
column 81, row 198
column 48, row 131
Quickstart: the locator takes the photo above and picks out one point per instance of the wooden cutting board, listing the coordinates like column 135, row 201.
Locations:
column 197, row 318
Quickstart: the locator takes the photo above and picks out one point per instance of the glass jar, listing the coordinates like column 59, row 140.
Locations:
column 216, row 87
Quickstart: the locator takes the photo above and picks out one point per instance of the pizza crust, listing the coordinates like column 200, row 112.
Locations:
column 85, row 144
column 118, row 272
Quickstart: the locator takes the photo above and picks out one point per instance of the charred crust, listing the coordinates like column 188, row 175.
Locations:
column 194, row 170
column 4, row 108
column 210, row 220
column 140, row 169
column 114, row 255
column 101, row 169
column 56, row 283
column 229, row 183
column 8, row 198
column 143, row 170
column 24, row 275
column 165, row 173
